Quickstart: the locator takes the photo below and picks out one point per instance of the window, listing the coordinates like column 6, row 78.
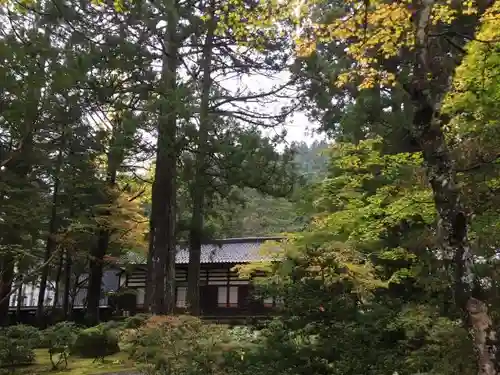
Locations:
column 271, row 301
column 268, row 302
column 140, row 296
column 227, row 297
column 181, row 297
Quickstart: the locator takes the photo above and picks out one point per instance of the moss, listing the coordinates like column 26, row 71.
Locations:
column 77, row 366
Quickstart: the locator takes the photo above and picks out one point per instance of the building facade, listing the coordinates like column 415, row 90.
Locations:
column 222, row 292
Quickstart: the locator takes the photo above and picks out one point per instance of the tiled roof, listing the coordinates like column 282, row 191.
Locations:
column 231, row 250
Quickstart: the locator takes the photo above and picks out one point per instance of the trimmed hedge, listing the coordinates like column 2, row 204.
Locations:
column 17, row 344
column 95, row 342
column 60, row 334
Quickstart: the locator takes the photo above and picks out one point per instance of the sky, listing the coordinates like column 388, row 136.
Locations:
column 299, row 128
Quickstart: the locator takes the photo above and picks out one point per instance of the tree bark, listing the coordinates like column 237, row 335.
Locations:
column 164, row 193
column 6, row 277
column 95, row 277
column 427, row 95
column 20, row 298
column 115, row 159
column 67, row 285
column 21, row 166
column 198, row 189
column 51, row 244
column 149, row 292
column 57, row 282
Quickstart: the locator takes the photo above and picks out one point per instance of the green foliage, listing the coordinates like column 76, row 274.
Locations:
column 29, row 334
column 113, row 325
column 17, row 344
column 95, row 342
column 429, row 336
column 356, row 284
column 136, row 321
column 59, row 339
column 180, row 345
column 60, row 334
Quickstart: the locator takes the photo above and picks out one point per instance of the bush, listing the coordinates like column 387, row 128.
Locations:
column 136, row 321
column 58, row 339
column 17, row 344
column 112, row 325
column 60, row 334
column 180, row 345
column 30, row 335
column 14, row 353
column 95, row 342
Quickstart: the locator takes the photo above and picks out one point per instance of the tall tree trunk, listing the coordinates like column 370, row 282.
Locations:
column 51, row 243
column 198, row 189
column 20, row 299
column 427, row 96
column 6, row 276
column 95, row 277
column 67, row 285
column 21, row 165
column 149, row 292
column 115, row 159
column 57, row 281
column 164, row 194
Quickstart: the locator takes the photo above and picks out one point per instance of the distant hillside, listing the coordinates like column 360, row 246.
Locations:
column 264, row 215
column 311, row 161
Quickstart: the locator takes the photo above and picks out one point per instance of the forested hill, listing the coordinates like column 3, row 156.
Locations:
column 311, row 160
column 262, row 215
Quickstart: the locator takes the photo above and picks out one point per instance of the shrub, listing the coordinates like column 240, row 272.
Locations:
column 17, row 344
column 13, row 352
column 136, row 321
column 30, row 335
column 113, row 325
column 58, row 339
column 60, row 333
column 180, row 345
column 95, row 342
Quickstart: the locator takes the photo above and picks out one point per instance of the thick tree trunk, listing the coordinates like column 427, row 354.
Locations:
column 452, row 229
column 198, row 189
column 164, row 195
column 427, row 95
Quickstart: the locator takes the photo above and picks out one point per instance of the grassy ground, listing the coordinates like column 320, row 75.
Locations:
column 77, row 366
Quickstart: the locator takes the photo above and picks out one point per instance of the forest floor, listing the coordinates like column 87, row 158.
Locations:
column 117, row 364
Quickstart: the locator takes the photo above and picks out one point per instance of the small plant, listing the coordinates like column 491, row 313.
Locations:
column 59, row 338
column 63, row 352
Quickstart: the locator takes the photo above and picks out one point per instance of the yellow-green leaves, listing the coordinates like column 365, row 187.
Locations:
column 375, row 32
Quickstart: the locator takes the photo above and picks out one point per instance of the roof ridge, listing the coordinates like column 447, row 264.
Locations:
column 245, row 239
column 236, row 240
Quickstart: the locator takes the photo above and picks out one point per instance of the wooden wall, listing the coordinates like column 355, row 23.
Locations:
column 222, row 291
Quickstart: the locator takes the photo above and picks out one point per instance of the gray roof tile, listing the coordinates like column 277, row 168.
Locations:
column 232, row 250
